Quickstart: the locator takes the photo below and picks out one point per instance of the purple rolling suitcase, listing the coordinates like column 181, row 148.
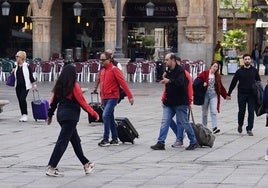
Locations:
column 39, row 107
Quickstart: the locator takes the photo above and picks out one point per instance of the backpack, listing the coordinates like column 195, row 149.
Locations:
column 204, row 136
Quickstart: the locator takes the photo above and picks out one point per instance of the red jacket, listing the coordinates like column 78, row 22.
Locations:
column 111, row 78
column 78, row 95
column 222, row 91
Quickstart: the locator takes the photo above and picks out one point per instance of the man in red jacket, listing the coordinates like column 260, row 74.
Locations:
column 111, row 79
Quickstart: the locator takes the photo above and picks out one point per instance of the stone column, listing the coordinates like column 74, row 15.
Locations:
column 195, row 29
column 110, row 23
column 41, row 37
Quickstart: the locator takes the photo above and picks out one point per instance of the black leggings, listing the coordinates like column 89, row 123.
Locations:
column 68, row 133
column 22, row 93
column 220, row 66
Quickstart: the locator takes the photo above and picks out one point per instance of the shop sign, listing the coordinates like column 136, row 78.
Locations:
column 161, row 10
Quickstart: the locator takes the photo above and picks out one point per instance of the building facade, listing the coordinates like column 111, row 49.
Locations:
column 186, row 27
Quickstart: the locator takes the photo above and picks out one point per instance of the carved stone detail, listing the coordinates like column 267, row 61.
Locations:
column 195, row 34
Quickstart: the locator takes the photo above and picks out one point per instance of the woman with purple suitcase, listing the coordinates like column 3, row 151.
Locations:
column 23, row 83
column 68, row 98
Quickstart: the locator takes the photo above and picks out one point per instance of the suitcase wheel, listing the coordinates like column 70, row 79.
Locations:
column 35, row 119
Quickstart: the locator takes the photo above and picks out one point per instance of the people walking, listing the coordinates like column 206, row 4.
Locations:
column 178, row 128
column 24, row 81
column 175, row 102
column 246, row 76
column 111, row 79
column 256, row 56
column 212, row 83
column 265, row 60
column 68, row 98
column 218, row 55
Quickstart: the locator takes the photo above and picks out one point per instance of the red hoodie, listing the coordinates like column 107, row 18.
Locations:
column 111, row 78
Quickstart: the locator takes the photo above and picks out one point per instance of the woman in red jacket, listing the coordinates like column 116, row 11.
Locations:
column 68, row 98
column 214, row 89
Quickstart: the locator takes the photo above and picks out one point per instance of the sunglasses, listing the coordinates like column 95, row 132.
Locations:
column 103, row 60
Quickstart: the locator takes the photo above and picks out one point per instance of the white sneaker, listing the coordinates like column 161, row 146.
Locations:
column 266, row 157
column 90, row 167
column 23, row 118
column 177, row 144
column 54, row 172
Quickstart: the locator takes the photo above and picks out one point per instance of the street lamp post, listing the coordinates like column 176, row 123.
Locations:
column 150, row 8
column 118, row 45
column 5, row 8
column 77, row 9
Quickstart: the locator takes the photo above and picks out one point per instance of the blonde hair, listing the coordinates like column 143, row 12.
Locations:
column 22, row 54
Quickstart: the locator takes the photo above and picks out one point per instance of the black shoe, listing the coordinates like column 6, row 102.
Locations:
column 192, row 146
column 239, row 129
column 104, row 143
column 114, row 142
column 250, row 133
column 215, row 130
column 158, row 146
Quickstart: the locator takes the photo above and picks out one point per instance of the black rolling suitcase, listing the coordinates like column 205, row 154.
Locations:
column 96, row 105
column 125, row 129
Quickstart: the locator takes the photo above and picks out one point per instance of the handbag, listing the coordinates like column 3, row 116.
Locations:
column 11, row 80
column 122, row 95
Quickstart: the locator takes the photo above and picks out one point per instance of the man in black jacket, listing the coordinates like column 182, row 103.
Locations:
column 175, row 102
column 246, row 76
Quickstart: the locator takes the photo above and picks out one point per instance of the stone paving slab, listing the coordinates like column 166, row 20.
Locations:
column 236, row 160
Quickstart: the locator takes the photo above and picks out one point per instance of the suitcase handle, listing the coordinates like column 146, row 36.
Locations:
column 36, row 101
column 192, row 115
column 94, row 93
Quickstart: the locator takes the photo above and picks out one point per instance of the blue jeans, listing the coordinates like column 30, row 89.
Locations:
column 210, row 102
column 181, row 118
column 256, row 63
column 177, row 129
column 68, row 133
column 243, row 100
column 108, row 118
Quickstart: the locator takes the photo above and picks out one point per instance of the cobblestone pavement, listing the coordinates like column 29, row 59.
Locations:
column 236, row 160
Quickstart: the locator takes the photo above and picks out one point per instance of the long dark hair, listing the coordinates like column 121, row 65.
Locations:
column 66, row 81
column 217, row 77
